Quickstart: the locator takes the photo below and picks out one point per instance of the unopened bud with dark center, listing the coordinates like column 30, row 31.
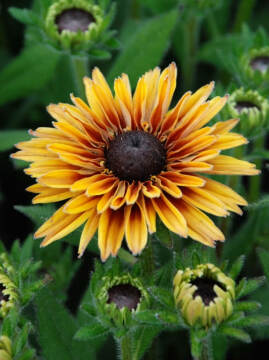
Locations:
column 251, row 108
column 74, row 20
column 74, row 24
column 124, row 295
column 204, row 295
column 260, row 63
column 135, row 156
column 245, row 105
column 120, row 296
column 255, row 64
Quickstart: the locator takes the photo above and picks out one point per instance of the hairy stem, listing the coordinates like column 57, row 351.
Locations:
column 126, row 347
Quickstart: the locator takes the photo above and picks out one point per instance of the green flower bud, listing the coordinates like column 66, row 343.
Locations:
column 8, row 290
column 121, row 296
column 74, row 24
column 251, row 108
column 256, row 63
column 204, row 295
column 5, row 348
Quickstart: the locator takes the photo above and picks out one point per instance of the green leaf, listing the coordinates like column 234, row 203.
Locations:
column 247, row 306
column 37, row 213
column 56, row 328
column 147, row 317
column 164, row 235
column 27, row 73
column 250, row 286
column 142, row 339
column 145, row 48
column 163, row 296
column 8, row 138
column 91, row 332
column 258, row 154
column 238, row 334
column 100, row 54
column 254, row 321
column 254, row 230
column 25, row 16
column 264, row 259
column 237, row 267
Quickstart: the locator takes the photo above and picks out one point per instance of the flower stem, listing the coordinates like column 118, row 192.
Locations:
column 244, row 12
column 79, row 67
column 147, row 259
column 190, row 42
column 126, row 347
column 206, row 349
column 255, row 181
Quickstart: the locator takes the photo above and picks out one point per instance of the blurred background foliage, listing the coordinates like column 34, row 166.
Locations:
column 209, row 40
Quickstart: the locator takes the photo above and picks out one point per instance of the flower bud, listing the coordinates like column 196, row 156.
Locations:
column 121, row 296
column 204, row 295
column 8, row 290
column 74, row 24
column 256, row 63
column 5, row 348
column 251, row 108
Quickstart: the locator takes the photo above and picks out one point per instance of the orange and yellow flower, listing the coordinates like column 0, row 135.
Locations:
column 122, row 159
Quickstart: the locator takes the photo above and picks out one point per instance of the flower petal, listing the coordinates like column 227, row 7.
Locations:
column 110, row 232
column 228, row 165
column 135, row 228
column 170, row 215
column 88, row 231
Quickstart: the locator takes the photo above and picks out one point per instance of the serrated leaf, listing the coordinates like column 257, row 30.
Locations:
column 145, row 48
column 8, row 138
column 237, row 267
column 148, row 317
column 56, row 328
column 247, row 306
column 91, row 332
column 264, row 259
column 163, row 296
column 251, row 285
column 28, row 72
column 235, row 318
column 143, row 338
column 238, row 334
column 25, row 16
column 254, row 321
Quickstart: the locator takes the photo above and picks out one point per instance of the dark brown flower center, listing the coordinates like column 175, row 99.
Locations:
column 124, row 295
column 2, row 296
column 74, row 20
column 242, row 105
column 260, row 63
column 135, row 156
column 205, row 289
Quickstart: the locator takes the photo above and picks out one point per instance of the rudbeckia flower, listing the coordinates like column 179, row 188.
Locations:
column 122, row 159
